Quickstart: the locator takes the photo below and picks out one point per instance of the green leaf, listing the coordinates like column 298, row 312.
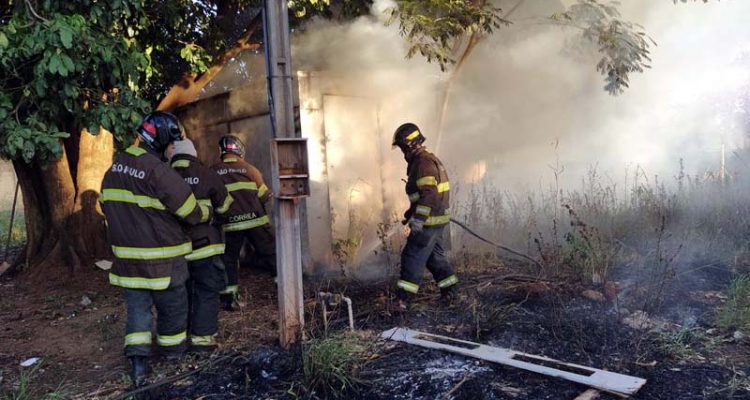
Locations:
column 66, row 37
column 41, row 87
column 54, row 64
column 68, row 63
column 60, row 135
column 3, row 40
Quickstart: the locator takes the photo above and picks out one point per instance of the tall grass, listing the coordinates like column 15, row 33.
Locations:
column 736, row 312
column 331, row 365
column 17, row 235
column 581, row 233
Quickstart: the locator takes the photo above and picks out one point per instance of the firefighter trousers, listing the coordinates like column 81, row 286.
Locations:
column 207, row 280
column 171, row 320
column 264, row 244
column 422, row 249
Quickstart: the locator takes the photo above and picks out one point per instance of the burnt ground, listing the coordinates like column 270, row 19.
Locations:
column 681, row 353
column 676, row 348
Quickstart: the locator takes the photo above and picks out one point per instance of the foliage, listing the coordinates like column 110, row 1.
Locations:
column 73, row 65
column 303, row 10
column 432, row 27
column 623, row 45
column 736, row 312
column 63, row 69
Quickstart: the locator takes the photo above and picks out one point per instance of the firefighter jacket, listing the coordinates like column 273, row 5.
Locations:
column 144, row 202
column 210, row 192
column 428, row 189
column 245, row 183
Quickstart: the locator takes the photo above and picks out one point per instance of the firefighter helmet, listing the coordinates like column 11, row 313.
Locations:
column 160, row 129
column 407, row 137
column 231, row 144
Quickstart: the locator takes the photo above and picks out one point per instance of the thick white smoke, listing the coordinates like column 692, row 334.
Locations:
column 532, row 85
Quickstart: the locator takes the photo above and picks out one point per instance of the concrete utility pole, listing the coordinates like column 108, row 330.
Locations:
column 281, row 101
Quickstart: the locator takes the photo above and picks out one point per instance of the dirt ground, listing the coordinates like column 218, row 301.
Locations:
column 675, row 347
column 76, row 328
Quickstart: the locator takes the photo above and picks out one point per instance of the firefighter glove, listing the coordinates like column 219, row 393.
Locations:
column 416, row 225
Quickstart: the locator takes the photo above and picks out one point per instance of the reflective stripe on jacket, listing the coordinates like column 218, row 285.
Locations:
column 428, row 189
column 145, row 202
column 245, row 184
column 209, row 189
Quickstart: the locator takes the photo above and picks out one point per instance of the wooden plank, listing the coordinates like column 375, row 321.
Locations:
column 596, row 378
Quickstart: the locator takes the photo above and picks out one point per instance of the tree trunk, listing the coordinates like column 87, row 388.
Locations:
column 64, row 225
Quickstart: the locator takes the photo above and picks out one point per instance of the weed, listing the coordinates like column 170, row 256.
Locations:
column 589, row 254
column 24, row 390
column 680, row 344
column 736, row 312
column 331, row 365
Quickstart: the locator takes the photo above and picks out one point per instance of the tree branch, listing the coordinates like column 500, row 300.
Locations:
column 34, row 13
column 188, row 88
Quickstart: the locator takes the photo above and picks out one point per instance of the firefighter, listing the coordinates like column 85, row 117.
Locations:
column 145, row 203
column 207, row 274
column 428, row 190
column 246, row 218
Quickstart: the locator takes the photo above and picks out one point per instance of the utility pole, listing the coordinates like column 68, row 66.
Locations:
column 281, row 102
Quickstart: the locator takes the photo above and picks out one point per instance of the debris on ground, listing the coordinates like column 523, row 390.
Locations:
column 590, row 394
column 640, row 320
column 30, row 361
column 85, row 301
column 104, row 265
column 594, row 295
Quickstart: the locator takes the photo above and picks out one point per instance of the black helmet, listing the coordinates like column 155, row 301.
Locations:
column 230, row 144
column 407, row 137
column 159, row 129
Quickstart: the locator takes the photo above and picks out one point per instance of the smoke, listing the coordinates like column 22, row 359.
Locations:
column 528, row 109
column 530, row 94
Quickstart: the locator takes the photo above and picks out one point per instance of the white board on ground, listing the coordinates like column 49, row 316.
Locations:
column 596, row 378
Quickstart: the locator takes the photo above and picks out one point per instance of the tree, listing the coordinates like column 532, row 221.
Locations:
column 76, row 70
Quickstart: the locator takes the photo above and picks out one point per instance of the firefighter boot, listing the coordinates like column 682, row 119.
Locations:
column 401, row 305
column 139, row 373
column 229, row 302
column 448, row 296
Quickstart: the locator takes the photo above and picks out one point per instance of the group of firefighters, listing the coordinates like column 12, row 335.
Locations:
column 177, row 228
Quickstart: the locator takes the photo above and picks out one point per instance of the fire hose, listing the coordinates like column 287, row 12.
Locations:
column 484, row 239
column 499, row 246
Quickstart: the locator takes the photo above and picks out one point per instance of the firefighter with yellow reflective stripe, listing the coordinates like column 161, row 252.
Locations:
column 207, row 274
column 247, row 218
column 428, row 190
column 145, row 203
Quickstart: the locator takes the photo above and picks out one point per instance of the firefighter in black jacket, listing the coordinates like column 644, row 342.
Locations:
column 207, row 274
column 428, row 190
column 246, row 218
column 146, row 203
